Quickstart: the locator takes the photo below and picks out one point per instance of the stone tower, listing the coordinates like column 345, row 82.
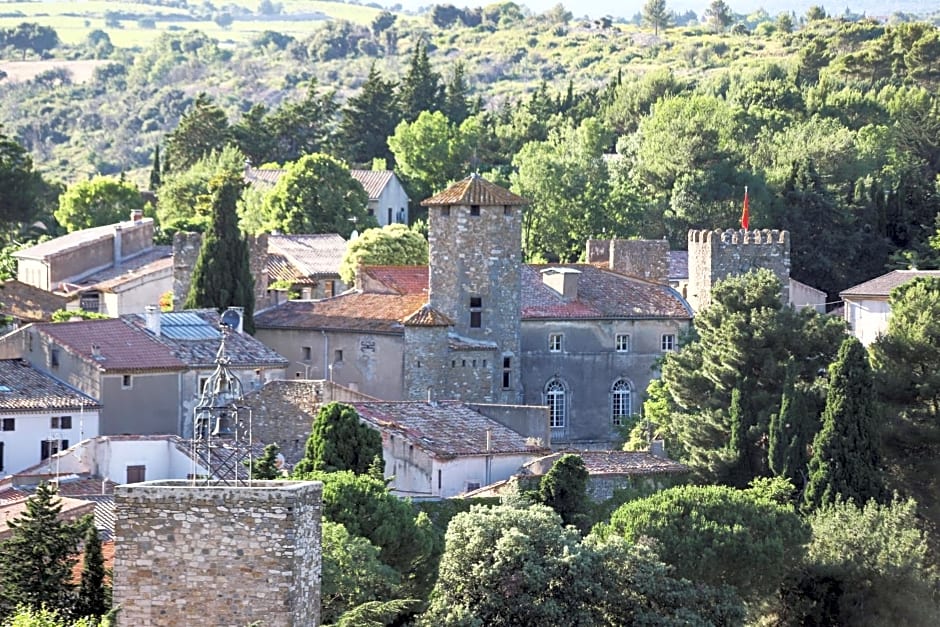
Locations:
column 716, row 255
column 475, row 238
column 218, row 555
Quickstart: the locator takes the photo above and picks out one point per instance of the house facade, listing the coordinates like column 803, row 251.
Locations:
column 478, row 325
column 39, row 416
column 867, row 308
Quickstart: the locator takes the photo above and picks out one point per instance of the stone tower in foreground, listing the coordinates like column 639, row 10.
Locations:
column 716, row 255
column 218, row 555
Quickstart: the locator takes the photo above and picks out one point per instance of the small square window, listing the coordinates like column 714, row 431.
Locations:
column 307, row 352
column 474, row 210
column 669, row 342
column 127, row 381
column 337, row 356
column 9, row 424
column 507, row 210
column 623, row 343
column 554, row 342
column 60, row 422
column 445, row 212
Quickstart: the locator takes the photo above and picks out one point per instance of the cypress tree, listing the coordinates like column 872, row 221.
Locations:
column 792, row 430
column 93, row 592
column 222, row 276
column 155, row 170
column 340, row 441
column 265, row 467
column 845, row 460
column 564, row 489
column 36, row 560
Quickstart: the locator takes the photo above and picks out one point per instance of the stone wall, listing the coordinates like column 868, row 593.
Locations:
column 716, row 255
column 186, row 251
column 646, row 259
column 218, row 555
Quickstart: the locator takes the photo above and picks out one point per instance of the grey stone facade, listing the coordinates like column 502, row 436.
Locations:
column 716, row 255
column 218, row 555
column 644, row 259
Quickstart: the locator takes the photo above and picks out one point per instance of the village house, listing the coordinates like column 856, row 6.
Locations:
column 867, row 309
column 308, row 265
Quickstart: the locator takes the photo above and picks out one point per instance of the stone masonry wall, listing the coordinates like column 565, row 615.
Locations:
column 716, row 255
column 642, row 258
column 218, row 555
column 186, row 251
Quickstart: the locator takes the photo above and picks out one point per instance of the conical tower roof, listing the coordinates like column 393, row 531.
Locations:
column 475, row 190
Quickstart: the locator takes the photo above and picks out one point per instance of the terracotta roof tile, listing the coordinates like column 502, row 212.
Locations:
column 23, row 388
column 601, row 294
column 445, row 429
column 120, row 345
column 475, row 190
column 402, row 279
column 882, row 285
column 263, row 177
column 309, row 255
column 29, row 303
column 199, row 349
column 427, row 316
column 377, row 313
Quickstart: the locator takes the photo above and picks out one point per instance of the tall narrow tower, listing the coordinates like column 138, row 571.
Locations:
column 475, row 237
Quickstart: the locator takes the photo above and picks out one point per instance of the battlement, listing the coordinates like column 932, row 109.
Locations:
column 739, row 236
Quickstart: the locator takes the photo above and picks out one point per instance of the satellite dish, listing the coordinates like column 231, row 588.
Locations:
column 231, row 318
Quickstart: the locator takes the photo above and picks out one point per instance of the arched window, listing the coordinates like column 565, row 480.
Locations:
column 620, row 402
column 555, row 397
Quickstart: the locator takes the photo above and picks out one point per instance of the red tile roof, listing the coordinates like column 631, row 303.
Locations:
column 475, row 190
column 119, row 345
column 601, row 294
column 402, row 279
column 29, row 303
column 446, row 429
column 882, row 285
column 23, row 388
column 377, row 313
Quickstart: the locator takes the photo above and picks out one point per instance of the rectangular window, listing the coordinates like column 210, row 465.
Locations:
column 60, row 422
column 507, row 210
column 445, row 212
column 623, row 343
column 307, row 352
column 1, row 456
column 54, row 357
column 474, row 210
column 439, row 480
column 202, row 384
column 90, row 302
column 669, row 342
column 136, row 474
column 554, row 342
column 329, row 289
column 48, row 448
column 9, row 424
column 127, row 382
column 507, row 372
column 476, row 312
column 337, row 356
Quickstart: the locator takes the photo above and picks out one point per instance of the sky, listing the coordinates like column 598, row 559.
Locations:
column 599, row 8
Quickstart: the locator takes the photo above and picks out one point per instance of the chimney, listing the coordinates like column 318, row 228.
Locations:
column 562, row 280
column 118, row 245
column 137, row 215
column 152, row 319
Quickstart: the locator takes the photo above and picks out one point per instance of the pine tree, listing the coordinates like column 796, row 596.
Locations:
column 265, row 467
column 369, row 118
column 93, row 592
column 457, row 96
column 201, row 130
column 222, row 276
column 420, row 88
column 656, row 14
column 846, row 459
column 36, row 560
column 340, row 441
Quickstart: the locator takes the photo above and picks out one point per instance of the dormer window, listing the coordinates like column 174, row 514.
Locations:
column 474, row 210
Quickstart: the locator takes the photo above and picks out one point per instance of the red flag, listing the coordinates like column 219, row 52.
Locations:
column 745, row 215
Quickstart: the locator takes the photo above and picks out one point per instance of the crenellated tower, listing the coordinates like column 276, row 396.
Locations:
column 716, row 255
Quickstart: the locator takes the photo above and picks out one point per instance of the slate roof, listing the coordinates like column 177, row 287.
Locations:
column 155, row 260
column 373, row 181
column 601, row 294
column 25, row 389
column 198, row 346
column 475, row 190
column 120, row 346
column 620, row 463
column 354, row 311
column 29, row 303
column 881, row 286
column 446, row 429
column 678, row 261
column 401, row 279
column 292, row 257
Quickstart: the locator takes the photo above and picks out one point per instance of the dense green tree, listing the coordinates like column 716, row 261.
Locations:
column 457, row 95
column 21, row 187
column 94, row 593
column 738, row 537
column 866, row 565
column 317, row 194
column 304, row 127
column 391, row 245
column 508, row 566
column 222, row 276
column 265, row 467
column 36, row 559
column 846, row 458
column 792, row 429
column 431, row 151
column 203, row 129
column 97, row 202
column 718, row 15
column 32, row 37
column 155, row 169
column 182, row 194
column 564, row 489
column 657, row 15
column 420, row 89
column 339, row 440
column 368, row 119
column 745, row 339
column 382, row 22
column 253, row 135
